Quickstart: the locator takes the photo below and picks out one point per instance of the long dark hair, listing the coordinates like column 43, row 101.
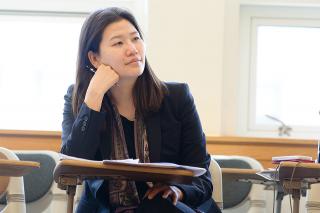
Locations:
column 148, row 91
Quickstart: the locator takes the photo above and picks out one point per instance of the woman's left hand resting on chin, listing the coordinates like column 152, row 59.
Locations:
column 167, row 191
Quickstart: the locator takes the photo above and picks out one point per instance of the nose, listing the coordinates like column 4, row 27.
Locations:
column 131, row 49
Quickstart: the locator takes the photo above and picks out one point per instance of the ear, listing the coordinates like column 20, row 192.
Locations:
column 94, row 59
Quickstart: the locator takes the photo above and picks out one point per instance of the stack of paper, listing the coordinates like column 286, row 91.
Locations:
column 294, row 158
column 197, row 171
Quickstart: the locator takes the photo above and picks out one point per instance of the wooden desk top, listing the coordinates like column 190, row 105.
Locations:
column 95, row 170
column 296, row 170
column 246, row 174
column 16, row 168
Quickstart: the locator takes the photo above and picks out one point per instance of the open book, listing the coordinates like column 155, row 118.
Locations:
column 197, row 171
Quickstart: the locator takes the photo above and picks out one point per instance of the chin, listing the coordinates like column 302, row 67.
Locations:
column 137, row 72
column 132, row 74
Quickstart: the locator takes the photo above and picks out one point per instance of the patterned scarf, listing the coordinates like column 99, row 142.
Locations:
column 123, row 194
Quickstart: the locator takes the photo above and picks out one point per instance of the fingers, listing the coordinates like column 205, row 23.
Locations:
column 156, row 190
column 147, row 193
column 174, row 196
column 151, row 189
column 104, row 78
column 167, row 191
column 166, row 194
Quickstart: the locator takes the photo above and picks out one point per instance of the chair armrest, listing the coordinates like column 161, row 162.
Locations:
column 216, row 174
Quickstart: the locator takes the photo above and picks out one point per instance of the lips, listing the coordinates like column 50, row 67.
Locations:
column 133, row 61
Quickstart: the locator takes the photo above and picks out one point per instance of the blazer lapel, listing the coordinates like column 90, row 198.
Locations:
column 105, row 146
column 153, row 129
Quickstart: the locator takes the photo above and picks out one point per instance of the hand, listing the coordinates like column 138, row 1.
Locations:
column 167, row 191
column 104, row 78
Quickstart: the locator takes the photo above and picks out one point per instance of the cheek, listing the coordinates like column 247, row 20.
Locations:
column 142, row 50
column 112, row 60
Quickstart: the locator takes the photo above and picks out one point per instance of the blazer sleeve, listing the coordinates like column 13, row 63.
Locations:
column 193, row 152
column 81, row 133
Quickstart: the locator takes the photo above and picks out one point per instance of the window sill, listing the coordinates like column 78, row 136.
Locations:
column 30, row 133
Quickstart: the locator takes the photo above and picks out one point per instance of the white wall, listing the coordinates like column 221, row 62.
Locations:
column 185, row 44
column 198, row 42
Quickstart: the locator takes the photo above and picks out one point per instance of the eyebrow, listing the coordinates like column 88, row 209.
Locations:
column 120, row 36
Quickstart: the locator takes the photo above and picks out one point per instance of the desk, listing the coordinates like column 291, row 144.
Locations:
column 293, row 177
column 12, row 182
column 296, row 177
column 16, row 168
column 242, row 174
column 70, row 173
column 250, row 175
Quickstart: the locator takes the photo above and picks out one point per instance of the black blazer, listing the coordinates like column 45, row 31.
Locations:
column 174, row 135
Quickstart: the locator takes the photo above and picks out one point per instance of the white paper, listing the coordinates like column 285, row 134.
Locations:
column 291, row 157
column 197, row 171
column 270, row 174
column 123, row 161
column 67, row 157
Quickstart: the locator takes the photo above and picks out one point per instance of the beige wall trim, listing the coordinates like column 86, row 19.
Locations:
column 259, row 141
column 30, row 140
column 262, row 149
column 30, row 133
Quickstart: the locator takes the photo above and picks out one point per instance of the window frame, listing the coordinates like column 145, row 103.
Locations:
column 251, row 17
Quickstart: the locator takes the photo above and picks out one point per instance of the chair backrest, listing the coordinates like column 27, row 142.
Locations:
column 12, row 189
column 41, row 192
column 236, row 193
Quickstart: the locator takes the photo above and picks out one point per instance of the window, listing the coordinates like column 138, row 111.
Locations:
column 38, row 57
column 282, row 66
column 39, row 42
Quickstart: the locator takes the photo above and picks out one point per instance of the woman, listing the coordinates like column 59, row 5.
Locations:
column 119, row 109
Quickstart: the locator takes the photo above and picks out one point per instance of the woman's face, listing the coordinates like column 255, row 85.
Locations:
column 123, row 49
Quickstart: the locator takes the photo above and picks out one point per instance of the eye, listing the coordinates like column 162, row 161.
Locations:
column 136, row 38
column 119, row 43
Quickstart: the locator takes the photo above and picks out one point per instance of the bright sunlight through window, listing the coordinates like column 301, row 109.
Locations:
column 38, row 58
column 288, row 75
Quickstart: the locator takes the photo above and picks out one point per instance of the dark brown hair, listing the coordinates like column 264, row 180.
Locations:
column 148, row 91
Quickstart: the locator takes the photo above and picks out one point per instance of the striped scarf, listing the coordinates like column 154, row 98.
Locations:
column 123, row 194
